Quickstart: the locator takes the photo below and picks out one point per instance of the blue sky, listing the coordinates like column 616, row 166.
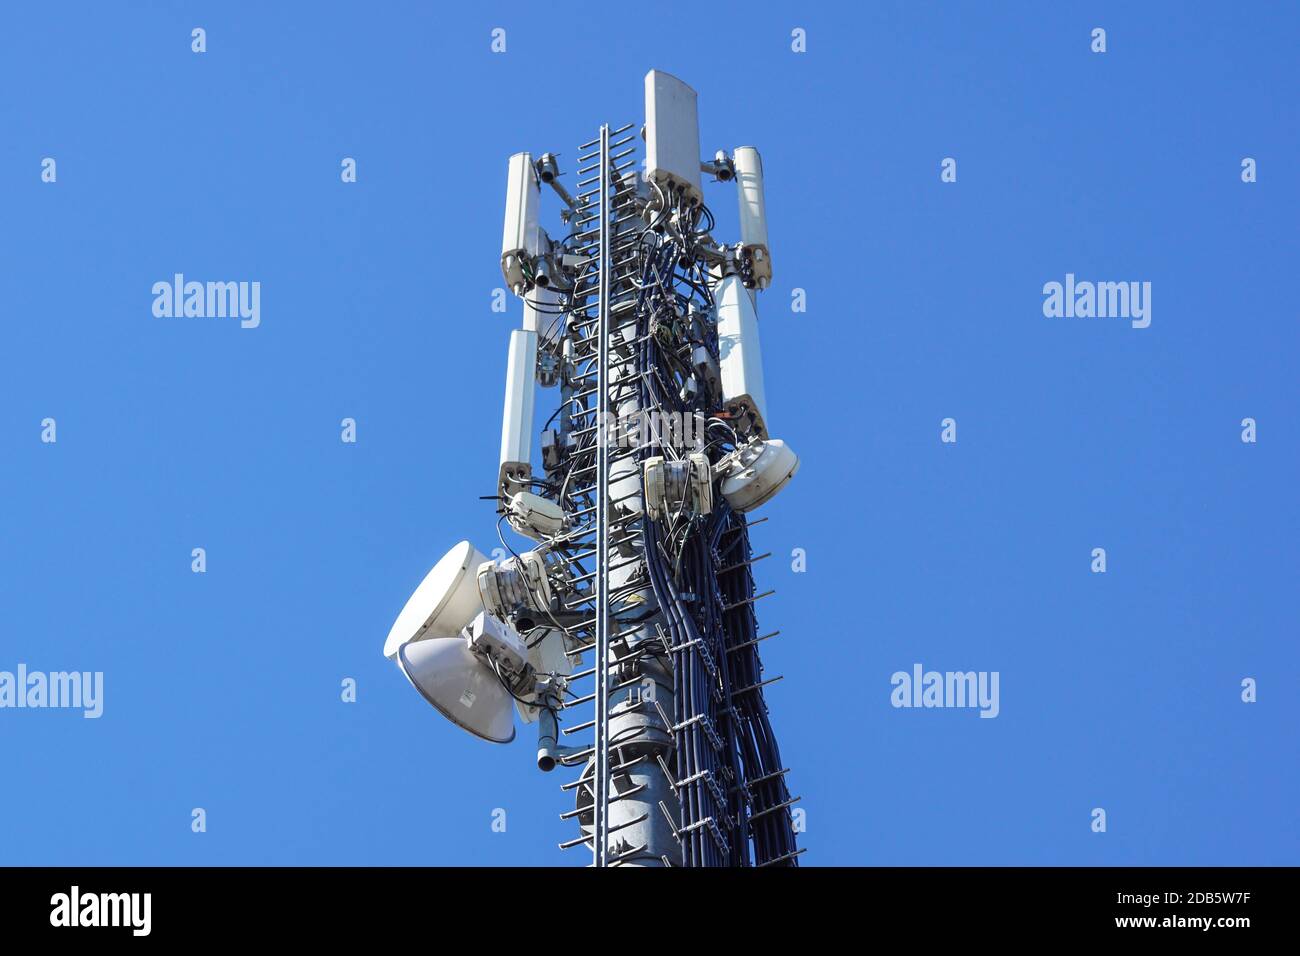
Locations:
column 222, row 690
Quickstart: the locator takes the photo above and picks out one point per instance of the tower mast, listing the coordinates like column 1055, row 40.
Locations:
column 641, row 577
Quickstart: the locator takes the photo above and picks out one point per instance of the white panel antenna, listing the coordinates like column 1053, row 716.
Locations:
column 517, row 417
column 740, row 357
column 753, row 214
column 672, row 131
column 521, row 241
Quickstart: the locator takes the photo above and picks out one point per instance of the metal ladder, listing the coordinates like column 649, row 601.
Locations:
column 602, row 306
column 731, row 797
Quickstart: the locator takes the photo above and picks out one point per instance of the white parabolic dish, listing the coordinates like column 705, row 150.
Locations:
column 460, row 686
column 446, row 600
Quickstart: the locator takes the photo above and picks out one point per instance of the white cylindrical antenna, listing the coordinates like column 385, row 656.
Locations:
column 753, row 214
column 517, row 417
column 522, row 237
column 740, row 357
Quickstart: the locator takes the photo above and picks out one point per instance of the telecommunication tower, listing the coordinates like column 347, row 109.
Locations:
column 627, row 634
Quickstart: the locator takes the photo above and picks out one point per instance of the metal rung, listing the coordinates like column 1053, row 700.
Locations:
column 672, row 824
column 618, row 860
column 745, row 527
column 762, row 683
column 578, row 702
column 614, row 829
column 752, row 643
column 744, row 564
column 578, row 811
column 779, row 806
column 787, row 856
column 766, row 777
column 756, row 597
column 574, row 784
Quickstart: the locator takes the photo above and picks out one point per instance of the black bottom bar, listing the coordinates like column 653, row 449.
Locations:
column 335, row 906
